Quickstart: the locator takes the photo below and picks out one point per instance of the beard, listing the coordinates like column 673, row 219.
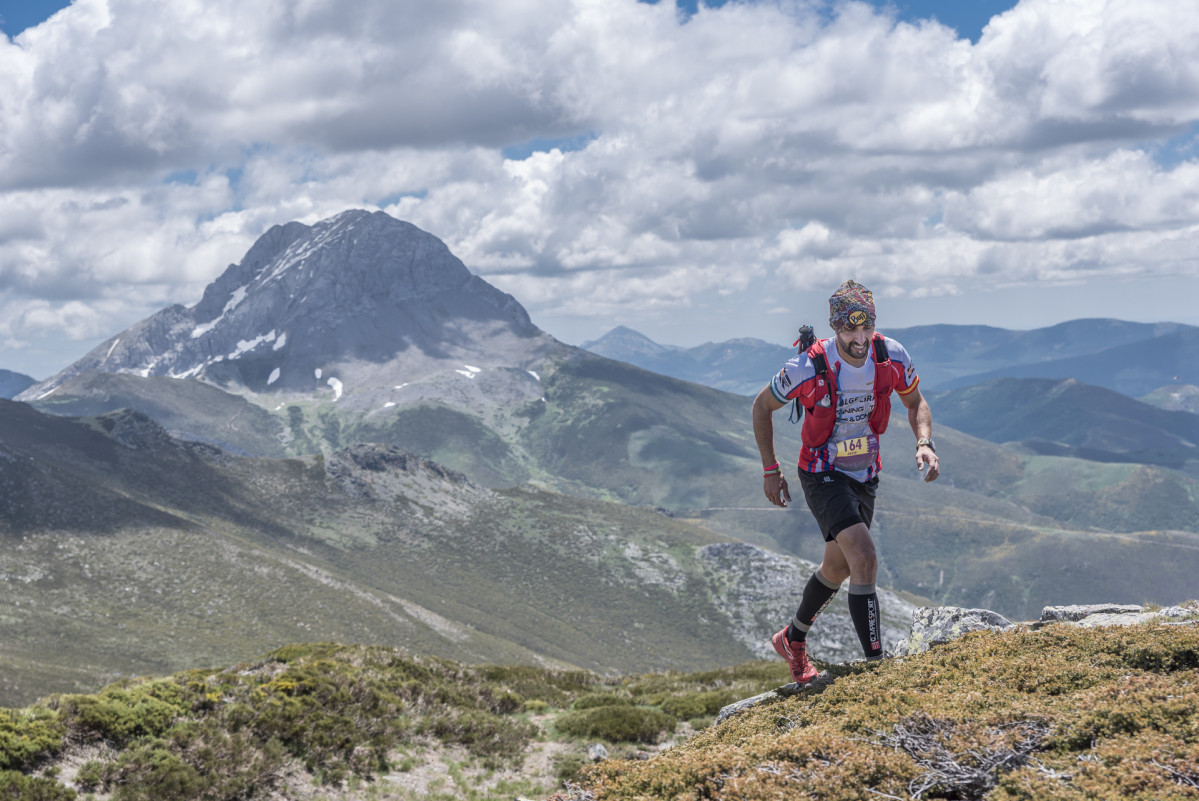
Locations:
column 857, row 350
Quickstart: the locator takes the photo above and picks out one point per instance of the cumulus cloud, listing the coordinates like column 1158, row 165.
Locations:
column 144, row 145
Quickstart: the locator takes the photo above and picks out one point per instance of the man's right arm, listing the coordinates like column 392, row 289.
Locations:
column 774, row 486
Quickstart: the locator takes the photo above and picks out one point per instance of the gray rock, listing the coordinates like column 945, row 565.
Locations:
column 759, row 590
column 822, row 680
column 1096, row 615
column 933, row 625
column 596, row 752
column 1080, row 611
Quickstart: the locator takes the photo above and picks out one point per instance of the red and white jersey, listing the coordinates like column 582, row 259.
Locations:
column 853, row 448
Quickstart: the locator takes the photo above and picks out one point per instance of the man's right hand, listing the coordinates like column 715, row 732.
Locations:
column 776, row 490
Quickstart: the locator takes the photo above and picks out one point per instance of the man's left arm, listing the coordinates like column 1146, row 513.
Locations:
column 920, row 417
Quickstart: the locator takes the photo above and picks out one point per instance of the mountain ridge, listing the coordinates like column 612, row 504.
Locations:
column 946, row 356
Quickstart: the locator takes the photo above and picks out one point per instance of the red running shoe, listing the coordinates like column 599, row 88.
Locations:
column 796, row 654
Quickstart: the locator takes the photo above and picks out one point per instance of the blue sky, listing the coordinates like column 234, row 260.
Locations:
column 968, row 17
column 697, row 174
column 17, row 15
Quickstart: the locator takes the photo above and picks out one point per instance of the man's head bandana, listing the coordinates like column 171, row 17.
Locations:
column 852, row 304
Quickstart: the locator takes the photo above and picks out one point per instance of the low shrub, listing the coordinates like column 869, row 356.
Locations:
column 593, row 700
column 197, row 759
column 119, row 714
column 698, row 705
column 15, row 786
column 29, row 735
column 567, row 767
column 485, row 735
column 617, row 724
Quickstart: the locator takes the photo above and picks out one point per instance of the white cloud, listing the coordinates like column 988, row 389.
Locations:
column 144, row 145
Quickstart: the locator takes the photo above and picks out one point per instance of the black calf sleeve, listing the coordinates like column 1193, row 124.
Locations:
column 867, row 621
column 817, row 594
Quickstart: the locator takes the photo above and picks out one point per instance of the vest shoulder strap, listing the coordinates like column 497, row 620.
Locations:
column 819, row 362
column 880, row 349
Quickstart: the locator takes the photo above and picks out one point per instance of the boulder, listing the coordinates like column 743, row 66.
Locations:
column 933, row 625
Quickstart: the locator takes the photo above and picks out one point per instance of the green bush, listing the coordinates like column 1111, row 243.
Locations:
column 119, row 714
column 617, row 724
column 294, row 653
column 594, row 700
column 567, row 767
column 484, row 734
column 15, row 786
column 150, row 772
column 698, row 705
column 194, row 760
column 28, row 735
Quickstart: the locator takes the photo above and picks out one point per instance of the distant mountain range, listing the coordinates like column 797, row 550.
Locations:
column 1131, row 358
column 13, row 384
column 372, row 423
column 1069, row 418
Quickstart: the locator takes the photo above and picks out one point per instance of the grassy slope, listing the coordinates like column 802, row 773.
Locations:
column 1057, row 712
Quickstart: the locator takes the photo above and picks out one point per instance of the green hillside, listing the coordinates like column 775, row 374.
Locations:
column 129, row 552
column 984, row 533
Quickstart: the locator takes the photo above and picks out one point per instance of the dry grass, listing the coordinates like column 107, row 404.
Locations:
column 1058, row 713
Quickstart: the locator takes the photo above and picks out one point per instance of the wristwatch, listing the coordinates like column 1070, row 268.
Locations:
column 926, row 441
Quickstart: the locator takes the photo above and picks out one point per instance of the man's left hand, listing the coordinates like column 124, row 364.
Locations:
column 927, row 456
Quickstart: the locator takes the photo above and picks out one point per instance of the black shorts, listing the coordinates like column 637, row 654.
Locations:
column 838, row 501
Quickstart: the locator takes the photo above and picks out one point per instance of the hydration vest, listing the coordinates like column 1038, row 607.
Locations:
column 821, row 415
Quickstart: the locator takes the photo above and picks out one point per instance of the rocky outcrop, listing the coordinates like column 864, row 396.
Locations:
column 759, row 590
column 1092, row 615
column 934, row 625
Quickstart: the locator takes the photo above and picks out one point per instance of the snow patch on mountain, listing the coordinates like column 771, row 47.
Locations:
column 238, row 296
column 244, row 346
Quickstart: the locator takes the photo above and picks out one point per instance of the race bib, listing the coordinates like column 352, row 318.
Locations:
column 857, row 453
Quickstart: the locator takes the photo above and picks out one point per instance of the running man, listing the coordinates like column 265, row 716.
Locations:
column 845, row 392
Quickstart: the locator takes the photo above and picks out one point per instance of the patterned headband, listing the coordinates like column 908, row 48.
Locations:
column 852, row 304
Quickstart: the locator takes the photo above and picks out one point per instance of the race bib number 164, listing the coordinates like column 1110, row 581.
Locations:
column 856, row 448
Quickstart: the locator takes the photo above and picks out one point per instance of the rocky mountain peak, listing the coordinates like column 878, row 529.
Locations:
column 308, row 301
